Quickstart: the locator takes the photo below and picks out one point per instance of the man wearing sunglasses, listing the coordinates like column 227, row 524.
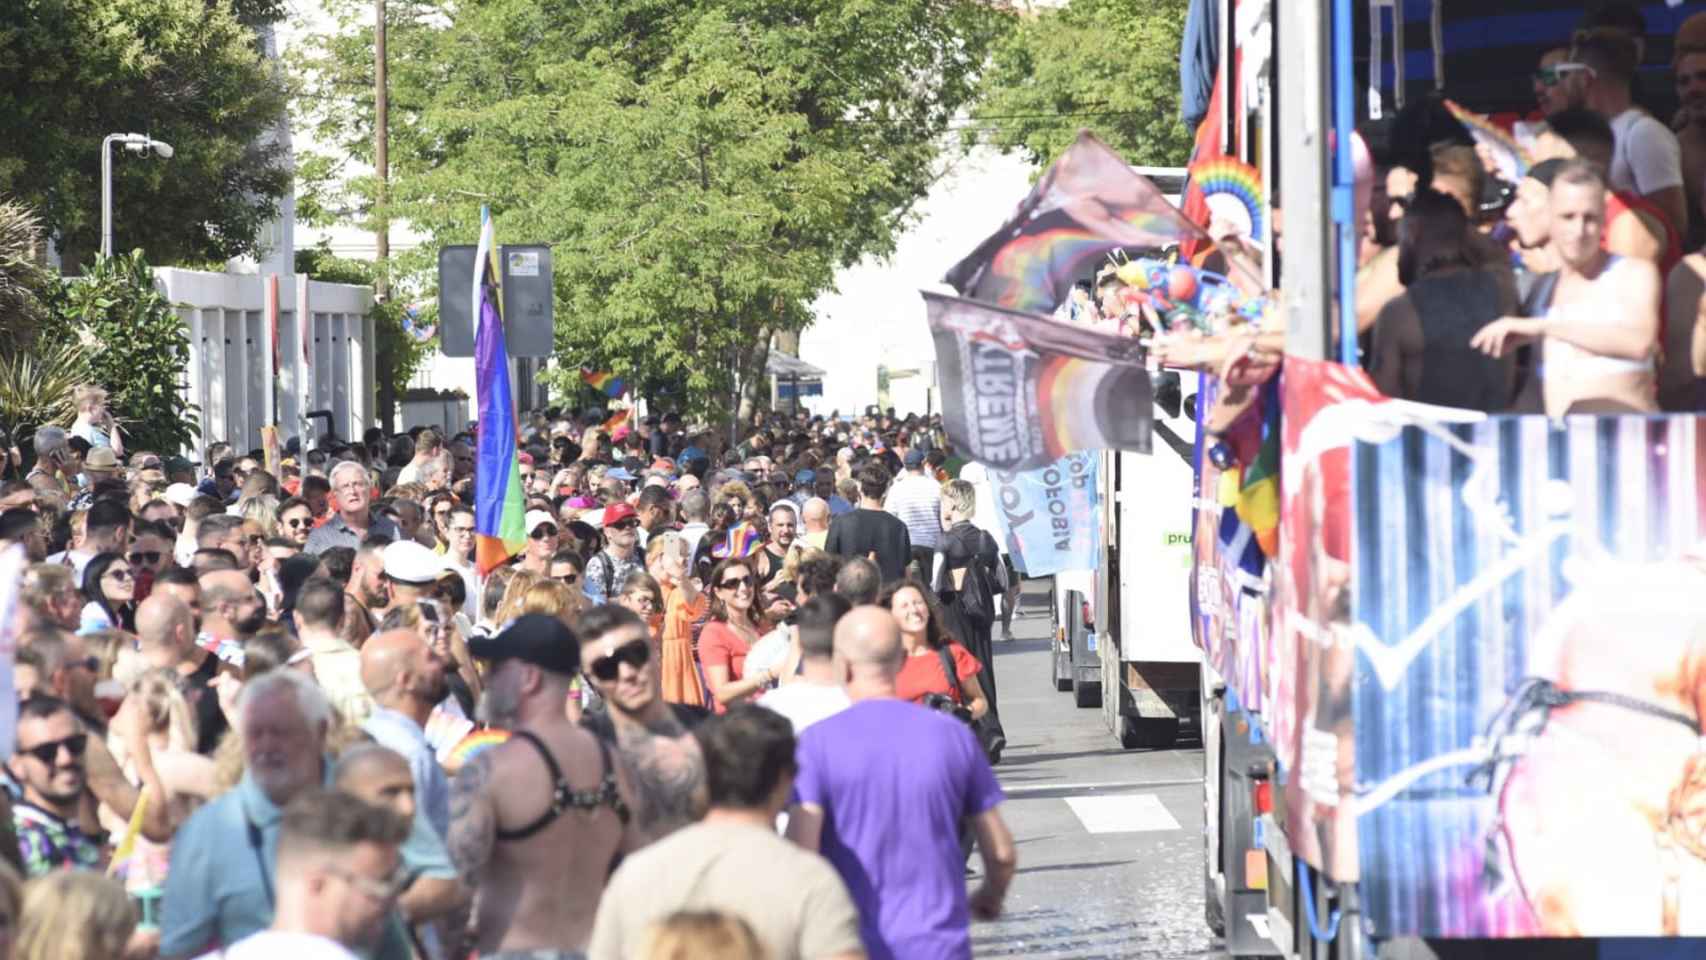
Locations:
column 609, row 567
column 620, row 661
column 1648, row 159
column 338, row 876
column 542, row 534
column 48, row 765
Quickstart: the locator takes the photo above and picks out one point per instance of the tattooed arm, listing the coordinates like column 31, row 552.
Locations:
column 473, row 821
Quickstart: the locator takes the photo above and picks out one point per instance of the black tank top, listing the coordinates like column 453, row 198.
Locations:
column 1451, row 308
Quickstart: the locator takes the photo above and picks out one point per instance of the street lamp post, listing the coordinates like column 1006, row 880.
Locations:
column 135, row 143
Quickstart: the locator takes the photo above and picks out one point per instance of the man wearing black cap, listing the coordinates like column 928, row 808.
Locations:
column 538, row 823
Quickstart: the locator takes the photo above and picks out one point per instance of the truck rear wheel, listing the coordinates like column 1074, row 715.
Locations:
column 1087, row 693
column 1214, row 911
column 1155, row 733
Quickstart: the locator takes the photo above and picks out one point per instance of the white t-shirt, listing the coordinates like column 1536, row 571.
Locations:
column 805, row 703
column 273, row 944
column 1646, row 157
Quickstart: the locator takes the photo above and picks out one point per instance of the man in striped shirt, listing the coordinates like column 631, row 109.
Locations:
column 917, row 501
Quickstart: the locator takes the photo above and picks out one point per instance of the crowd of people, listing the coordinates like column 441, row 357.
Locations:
column 728, row 700
column 1567, row 291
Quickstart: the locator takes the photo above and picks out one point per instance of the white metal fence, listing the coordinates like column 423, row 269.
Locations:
column 254, row 361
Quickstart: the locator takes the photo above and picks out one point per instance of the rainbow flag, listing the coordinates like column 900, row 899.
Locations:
column 1090, row 203
column 616, row 420
column 498, row 501
column 1257, row 502
column 605, row 382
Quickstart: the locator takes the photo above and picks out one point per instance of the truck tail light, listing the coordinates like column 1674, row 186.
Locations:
column 1089, row 618
column 1263, row 797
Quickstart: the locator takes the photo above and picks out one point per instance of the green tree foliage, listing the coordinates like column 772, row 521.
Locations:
column 1109, row 65
column 25, row 287
column 135, row 347
column 700, row 167
column 36, row 372
column 188, row 72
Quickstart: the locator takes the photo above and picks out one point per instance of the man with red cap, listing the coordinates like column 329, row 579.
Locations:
column 606, row 569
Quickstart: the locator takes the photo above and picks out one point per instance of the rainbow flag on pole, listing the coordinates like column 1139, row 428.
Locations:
column 604, row 382
column 498, row 501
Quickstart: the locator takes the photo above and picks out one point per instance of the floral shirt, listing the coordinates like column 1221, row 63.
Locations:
column 48, row 843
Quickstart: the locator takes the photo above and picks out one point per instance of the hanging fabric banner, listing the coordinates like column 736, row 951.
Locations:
column 1020, row 391
column 1049, row 516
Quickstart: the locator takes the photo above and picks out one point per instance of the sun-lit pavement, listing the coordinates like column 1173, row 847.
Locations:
column 1110, row 840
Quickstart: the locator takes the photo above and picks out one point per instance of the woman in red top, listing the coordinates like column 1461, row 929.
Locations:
column 923, row 637
column 732, row 630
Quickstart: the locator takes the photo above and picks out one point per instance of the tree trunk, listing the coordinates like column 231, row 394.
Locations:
column 754, row 385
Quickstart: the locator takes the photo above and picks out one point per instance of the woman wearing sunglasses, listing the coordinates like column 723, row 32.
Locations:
column 735, row 625
column 109, row 589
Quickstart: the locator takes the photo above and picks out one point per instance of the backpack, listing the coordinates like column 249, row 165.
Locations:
column 977, row 584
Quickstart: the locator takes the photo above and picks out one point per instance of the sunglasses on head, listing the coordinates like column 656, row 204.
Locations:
column 736, row 583
column 635, row 653
column 544, row 531
column 48, row 752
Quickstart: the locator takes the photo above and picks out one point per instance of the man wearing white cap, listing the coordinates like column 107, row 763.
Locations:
column 541, row 542
column 412, row 570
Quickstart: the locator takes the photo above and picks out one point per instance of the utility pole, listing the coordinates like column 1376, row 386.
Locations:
column 381, row 162
column 387, row 401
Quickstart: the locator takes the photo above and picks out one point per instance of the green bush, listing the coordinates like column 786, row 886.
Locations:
column 137, row 349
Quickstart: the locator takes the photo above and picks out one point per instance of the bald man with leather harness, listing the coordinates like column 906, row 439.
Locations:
column 538, row 823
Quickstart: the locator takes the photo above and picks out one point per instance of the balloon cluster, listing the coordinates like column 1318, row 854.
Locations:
column 1187, row 299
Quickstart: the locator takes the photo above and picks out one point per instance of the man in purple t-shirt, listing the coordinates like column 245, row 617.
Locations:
column 881, row 790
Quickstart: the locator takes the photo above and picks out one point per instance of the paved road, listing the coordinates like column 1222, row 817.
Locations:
column 1110, row 840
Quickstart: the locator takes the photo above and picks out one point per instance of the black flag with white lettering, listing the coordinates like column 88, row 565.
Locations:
column 1021, row 390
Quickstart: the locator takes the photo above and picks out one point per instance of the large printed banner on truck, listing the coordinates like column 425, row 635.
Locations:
column 1528, row 615
column 1048, row 516
column 1489, row 663
column 1019, row 391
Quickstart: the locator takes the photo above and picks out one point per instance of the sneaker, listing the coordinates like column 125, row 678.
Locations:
column 1006, row 636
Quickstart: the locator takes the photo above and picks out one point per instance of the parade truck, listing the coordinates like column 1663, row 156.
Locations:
column 1451, row 689
column 1122, row 629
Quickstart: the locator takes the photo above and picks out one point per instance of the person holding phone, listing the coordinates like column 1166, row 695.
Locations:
column 94, row 420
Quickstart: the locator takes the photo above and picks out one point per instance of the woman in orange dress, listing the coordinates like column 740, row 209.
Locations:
column 685, row 604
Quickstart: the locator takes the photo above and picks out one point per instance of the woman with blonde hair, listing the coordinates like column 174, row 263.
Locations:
column 519, row 583
column 75, row 915
column 188, row 777
column 94, row 421
column 262, row 511
column 702, row 935
column 554, row 599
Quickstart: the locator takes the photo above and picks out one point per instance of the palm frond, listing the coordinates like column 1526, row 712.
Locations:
column 36, row 385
